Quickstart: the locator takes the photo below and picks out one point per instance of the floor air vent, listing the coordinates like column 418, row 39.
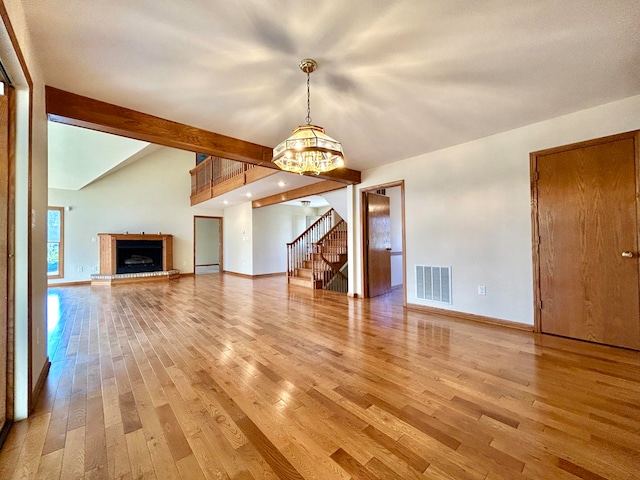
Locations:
column 433, row 283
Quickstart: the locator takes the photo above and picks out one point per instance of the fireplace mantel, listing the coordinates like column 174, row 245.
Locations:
column 108, row 260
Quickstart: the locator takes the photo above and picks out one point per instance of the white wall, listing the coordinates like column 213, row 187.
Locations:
column 274, row 227
column 469, row 207
column 150, row 195
column 338, row 201
column 237, row 241
column 207, row 241
column 255, row 240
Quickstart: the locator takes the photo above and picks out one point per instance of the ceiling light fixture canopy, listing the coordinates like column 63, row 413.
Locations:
column 308, row 149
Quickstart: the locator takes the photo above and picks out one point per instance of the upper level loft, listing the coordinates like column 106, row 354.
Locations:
column 215, row 176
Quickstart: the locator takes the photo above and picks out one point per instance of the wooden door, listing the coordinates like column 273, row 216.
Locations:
column 588, row 241
column 379, row 244
column 5, row 357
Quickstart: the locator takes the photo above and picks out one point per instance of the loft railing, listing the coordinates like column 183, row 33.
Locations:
column 329, row 258
column 214, row 171
column 301, row 248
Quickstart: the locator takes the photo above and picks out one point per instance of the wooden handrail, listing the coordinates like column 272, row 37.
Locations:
column 201, row 165
column 300, row 249
column 321, row 219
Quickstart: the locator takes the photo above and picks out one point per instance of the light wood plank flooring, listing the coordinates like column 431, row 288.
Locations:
column 219, row 377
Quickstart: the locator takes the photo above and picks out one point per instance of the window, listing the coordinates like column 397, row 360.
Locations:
column 55, row 242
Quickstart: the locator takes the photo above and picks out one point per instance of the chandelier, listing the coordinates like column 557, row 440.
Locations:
column 308, row 149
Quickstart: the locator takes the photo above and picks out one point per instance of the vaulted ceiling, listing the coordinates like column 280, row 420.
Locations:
column 395, row 79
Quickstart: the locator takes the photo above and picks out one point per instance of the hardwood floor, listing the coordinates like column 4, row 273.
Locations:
column 218, row 376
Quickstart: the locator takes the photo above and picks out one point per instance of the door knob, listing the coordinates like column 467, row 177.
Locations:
column 627, row 254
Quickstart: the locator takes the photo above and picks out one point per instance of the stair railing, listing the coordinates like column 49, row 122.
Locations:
column 301, row 248
column 329, row 257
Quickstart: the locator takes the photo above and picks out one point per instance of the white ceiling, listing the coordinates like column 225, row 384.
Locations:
column 395, row 78
column 273, row 184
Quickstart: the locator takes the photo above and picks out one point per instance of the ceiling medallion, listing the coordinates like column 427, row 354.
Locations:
column 308, row 149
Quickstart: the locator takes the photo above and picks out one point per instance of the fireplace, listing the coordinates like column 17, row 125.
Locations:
column 136, row 256
column 126, row 257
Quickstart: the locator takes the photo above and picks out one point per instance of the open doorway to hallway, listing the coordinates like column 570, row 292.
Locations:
column 384, row 241
column 207, row 244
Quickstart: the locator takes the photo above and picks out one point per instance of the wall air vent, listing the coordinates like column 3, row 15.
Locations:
column 433, row 283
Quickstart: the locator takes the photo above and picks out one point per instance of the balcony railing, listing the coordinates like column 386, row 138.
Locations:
column 215, row 176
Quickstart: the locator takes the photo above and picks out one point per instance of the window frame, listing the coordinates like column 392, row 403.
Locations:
column 60, row 243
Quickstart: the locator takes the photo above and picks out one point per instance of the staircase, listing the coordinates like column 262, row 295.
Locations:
column 317, row 258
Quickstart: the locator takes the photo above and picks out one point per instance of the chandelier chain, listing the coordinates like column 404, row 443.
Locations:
column 308, row 119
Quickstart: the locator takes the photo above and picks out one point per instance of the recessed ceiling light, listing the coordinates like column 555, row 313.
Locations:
column 281, row 183
column 249, row 194
column 226, row 202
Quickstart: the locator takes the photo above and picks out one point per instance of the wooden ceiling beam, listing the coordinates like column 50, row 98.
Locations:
column 306, row 191
column 72, row 109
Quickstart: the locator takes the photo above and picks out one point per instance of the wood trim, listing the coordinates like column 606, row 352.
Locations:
column 586, row 143
column 535, row 230
column 220, row 238
column 258, row 173
column 25, row 71
column 5, row 348
column 69, row 284
column 535, row 243
column 313, row 189
column 72, row 109
column 264, row 275
column 201, row 197
column 227, row 186
column 11, row 265
column 4, row 432
column 364, row 233
column 37, row 389
column 469, row 317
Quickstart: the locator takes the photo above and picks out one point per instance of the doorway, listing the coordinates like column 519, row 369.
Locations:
column 383, row 233
column 207, row 245
column 586, row 240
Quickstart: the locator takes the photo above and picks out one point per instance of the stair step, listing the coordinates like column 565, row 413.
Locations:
column 306, row 273
column 301, row 282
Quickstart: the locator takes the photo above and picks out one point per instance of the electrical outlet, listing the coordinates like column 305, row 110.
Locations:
column 94, row 268
column 80, row 269
column 94, row 239
column 482, row 290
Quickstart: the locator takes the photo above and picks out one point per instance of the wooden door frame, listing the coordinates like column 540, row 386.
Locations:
column 535, row 230
column 220, row 243
column 364, row 232
column 8, row 267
